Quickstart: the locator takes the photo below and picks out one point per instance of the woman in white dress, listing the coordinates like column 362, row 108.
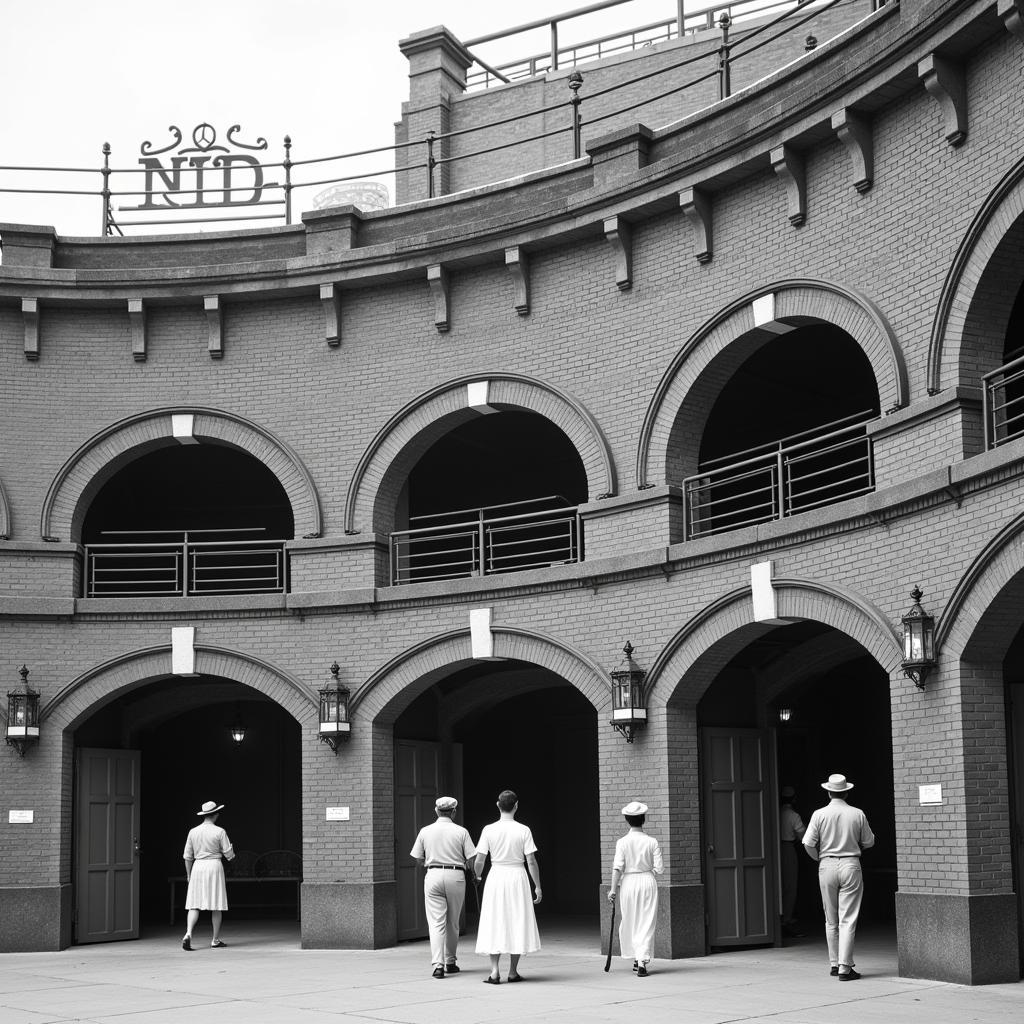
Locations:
column 508, row 923
column 206, row 849
column 637, row 861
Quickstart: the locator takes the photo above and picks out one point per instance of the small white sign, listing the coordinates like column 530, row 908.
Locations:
column 931, row 794
column 20, row 817
column 337, row 814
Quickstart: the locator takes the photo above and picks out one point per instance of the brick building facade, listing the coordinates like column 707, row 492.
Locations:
column 816, row 282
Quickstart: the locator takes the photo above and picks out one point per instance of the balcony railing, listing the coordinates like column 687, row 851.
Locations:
column 176, row 563
column 796, row 474
column 522, row 535
column 1004, row 403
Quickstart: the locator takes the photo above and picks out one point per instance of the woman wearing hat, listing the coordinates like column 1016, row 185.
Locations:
column 206, row 849
column 637, row 861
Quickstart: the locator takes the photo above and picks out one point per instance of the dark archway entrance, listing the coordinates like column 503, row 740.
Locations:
column 180, row 731
column 838, row 701
column 1013, row 674
column 509, row 725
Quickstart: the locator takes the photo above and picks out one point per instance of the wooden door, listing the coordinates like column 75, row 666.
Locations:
column 106, row 845
column 417, row 786
column 739, row 862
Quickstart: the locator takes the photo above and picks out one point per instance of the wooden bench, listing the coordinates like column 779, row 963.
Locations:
column 250, row 869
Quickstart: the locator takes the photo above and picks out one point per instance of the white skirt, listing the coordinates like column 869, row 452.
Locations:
column 508, row 923
column 638, row 905
column 206, row 888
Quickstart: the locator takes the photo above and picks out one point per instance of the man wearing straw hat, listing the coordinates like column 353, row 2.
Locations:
column 444, row 849
column 835, row 837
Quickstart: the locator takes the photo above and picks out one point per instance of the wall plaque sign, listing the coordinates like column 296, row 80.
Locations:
column 931, row 794
column 203, row 175
column 20, row 817
column 337, row 814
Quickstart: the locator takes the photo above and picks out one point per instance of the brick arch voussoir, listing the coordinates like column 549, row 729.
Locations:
column 382, row 697
column 705, row 644
column 63, row 507
column 963, row 629
column 819, row 300
column 996, row 217
column 448, row 400
column 104, row 682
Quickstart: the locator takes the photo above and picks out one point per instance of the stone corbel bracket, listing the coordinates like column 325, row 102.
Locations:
column 1012, row 13
column 330, row 300
column 947, row 85
column 789, row 167
column 437, row 278
column 137, row 322
column 854, row 131
column 215, row 324
column 518, row 264
column 30, row 315
column 620, row 237
column 696, row 206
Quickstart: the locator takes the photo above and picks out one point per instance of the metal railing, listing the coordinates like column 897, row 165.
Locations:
column 172, row 563
column 488, row 540
column 1003, row 396
column 796, row 474
column 239, row 186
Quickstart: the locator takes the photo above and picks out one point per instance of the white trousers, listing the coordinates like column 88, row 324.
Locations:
column 444, row 893
column 842, row 889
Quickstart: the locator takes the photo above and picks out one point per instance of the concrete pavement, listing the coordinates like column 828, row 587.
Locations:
column 263, row 977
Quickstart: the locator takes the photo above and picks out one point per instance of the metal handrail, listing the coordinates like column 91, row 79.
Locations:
column 1003, row 415
column 832, row 466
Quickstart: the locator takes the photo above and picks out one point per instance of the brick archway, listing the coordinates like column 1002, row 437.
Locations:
column 81, row 477
column 5, row 516
column 691, row 381
column 704, row 646
column 970, row 321
column 103, row 683
column 412, row 430
column 383, row 697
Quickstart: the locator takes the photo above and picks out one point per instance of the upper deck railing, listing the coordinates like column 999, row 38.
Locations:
column 1003, row 393
column 208, row 183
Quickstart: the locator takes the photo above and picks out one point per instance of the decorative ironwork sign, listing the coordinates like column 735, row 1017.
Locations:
column 205, row 174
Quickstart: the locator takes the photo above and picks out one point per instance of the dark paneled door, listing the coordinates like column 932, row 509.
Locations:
column 107, row 845
column 739, row 865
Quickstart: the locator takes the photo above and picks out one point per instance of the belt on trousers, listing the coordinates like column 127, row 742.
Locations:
column 448, row 867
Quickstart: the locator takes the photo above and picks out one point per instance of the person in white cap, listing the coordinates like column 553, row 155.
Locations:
column 637, row 860
column 445, row 849
column 206, row 849
column 835, row 837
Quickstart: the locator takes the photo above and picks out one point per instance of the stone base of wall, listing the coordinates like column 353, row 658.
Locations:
column 349, row 915
column 35, row 919
column 968, row 940
column 680, row 931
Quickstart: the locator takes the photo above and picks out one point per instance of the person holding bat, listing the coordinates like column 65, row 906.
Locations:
column 637, row 861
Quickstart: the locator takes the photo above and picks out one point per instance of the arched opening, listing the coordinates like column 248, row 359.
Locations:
column 1013, row 676
column 785, row 433
column 498, row 493
column 144, row 765
column 1004, row 388
column 188, row 520
column 478, row 731
column 837, row 699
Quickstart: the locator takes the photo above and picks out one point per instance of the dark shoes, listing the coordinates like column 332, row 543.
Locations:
column 851, row 975
column 834, row 971
column 636, row 966
column 438, row 972
column 217, row 944
column 451, row 968
column 641, row 971
column 492, row 981
column 186, row 944
column 514, row 977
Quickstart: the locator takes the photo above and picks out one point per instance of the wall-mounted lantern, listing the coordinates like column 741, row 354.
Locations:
column 918, row 641
column 334, row 722
column 785, row 714
column 629, row 712
column 22, row 715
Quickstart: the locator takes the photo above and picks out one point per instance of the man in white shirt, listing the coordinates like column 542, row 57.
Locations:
column 444, row 848
column 835, row 837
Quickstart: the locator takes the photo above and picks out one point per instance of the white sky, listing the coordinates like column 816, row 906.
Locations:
column 77, row 73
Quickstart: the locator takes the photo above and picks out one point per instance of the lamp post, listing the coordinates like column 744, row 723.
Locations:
column 334, row 720
column 918, row 641
column 22, row 715
column 629, row 712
